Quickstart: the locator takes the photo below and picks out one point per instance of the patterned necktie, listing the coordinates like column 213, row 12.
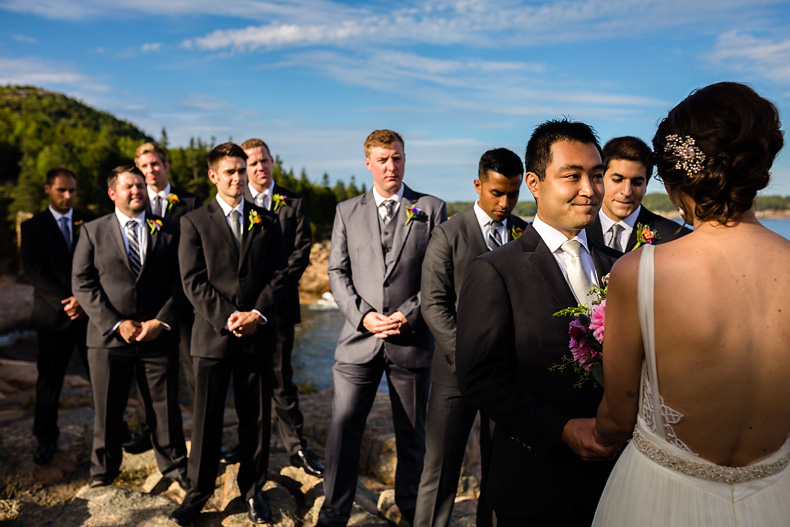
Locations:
column 134, row 247
column 494, row 238
column 389, row 209
column 578, row 279
column 614, row 241
column 64, row 228
column 235, row 227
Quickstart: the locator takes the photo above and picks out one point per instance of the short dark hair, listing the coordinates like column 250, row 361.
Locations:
column 502, row 161
column 255, row 143
column 59, row 171
column 224, row 150
column 538, row 154
column 112, row 179
column 629, row 148
column 739, row 134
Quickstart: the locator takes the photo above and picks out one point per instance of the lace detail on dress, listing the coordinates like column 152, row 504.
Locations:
column 670, row 415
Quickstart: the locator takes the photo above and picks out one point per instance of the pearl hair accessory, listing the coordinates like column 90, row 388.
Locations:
column 691, row 158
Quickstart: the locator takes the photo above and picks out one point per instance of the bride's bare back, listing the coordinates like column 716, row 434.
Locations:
column 722, row 314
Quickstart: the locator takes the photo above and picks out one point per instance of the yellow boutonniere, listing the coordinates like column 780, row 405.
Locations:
column 172, row 200
column 254, row 218
column 279, row 200
column 515, row 232
column 154, row 226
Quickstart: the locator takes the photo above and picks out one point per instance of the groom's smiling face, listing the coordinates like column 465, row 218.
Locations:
column 570, row 193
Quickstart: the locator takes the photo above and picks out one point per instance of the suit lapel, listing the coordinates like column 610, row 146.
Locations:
column 247, row 233
column 220, row 223
column 54, row 232
column 543, row 263
column 371, row 214
column 151, row 239
column 511, row 227
column 640, row 218
column 401, row 229
column 115, row 234
column 473, row 233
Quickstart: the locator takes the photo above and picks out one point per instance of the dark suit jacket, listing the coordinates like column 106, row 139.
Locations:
column 107, row 289
column 666, row 229
column 507, row 339
column 219, row 279
column 47, row 263
column 187, row 202
column 453, row 245
column 361, row 283
column 297, row 236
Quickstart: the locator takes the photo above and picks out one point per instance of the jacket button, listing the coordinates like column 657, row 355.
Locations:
column 386, row 284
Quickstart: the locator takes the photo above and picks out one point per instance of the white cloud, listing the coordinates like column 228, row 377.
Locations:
column 203, row 102
column 42, row 72
column 153, row 46
column 769, row 58
column 23, row 38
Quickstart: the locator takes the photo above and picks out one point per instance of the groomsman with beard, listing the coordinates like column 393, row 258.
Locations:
column 541, row 470
column 627, row 171
column 47, row 242
column 125, row 276
column 291, row 209
column 482, row 228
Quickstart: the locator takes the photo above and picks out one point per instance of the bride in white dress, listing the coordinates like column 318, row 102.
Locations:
column 700, row 328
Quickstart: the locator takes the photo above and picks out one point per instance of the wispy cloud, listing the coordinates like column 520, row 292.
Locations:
column 42, row 72
column 23, row 38
column 153, row 46
column 769, row 58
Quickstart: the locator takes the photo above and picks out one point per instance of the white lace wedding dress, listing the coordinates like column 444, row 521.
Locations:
column 659, row 481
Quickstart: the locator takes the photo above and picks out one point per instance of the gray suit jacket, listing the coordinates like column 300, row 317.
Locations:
column 104, row 285
column 453, row 245
column 361, row 283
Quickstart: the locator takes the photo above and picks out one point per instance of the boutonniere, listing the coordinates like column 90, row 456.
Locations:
column 254, row 218
column 515, row 232
column 76, row 226
column 413, row 213
column 279, row 200
column 644, row 236
column 153, row 226
column 172, row 200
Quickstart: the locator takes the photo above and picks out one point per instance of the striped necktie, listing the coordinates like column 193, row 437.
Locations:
column 134, row 247
column 494, row 238
column 389, row 209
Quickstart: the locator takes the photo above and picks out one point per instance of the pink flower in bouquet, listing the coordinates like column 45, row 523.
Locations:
column 580, row 348
column 597, row 316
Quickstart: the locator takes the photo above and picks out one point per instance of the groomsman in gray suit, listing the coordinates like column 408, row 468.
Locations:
column 482, row 228
column 125, row 276
column 378, row 244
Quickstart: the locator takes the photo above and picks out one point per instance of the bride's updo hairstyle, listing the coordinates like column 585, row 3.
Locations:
column 717, row 147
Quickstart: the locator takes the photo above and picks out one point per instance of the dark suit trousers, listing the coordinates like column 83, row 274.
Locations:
column 355, row 387
column 252, row 398
column 156, row 372
column 285, row 395
column 450, row 419
column 54, row 353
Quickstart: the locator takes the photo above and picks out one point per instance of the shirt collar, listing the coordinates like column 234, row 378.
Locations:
column 163, row 194
column 380, row 199
column 123, row 219
column 484, row 219
column 629, row 221
column 227, row 208
column 268, row 192
column 554, row 238
column 58, row 215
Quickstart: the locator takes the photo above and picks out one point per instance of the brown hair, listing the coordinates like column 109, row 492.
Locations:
column 382, row 138
column 112, row 179
column 629, row 148
column 59, row 171
column 255, row 143
column 739, row 134
column 224, row 150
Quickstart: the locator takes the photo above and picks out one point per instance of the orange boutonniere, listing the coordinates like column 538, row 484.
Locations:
column 76, row 226
column 154, row 226
column 644, row 236
column 254, row 218
column 515, row 232
column 172, row 200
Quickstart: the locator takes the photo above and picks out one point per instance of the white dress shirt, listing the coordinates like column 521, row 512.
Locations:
column 628, row 224
column 484, row 220
column 381, row 199
column 554, row 240
column 267, row 195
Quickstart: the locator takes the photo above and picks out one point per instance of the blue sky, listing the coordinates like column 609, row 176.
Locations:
column 455, row 77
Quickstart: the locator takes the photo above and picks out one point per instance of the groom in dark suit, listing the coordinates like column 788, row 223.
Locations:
column 540, row 472
column 233, row 269
column 48, row 239
column 378, row 243
column 627, row 170
column 125, row 276
column 484, row 227
column 291, row 209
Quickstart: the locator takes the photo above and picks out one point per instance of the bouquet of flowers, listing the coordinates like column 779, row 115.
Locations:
column 586, row 337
